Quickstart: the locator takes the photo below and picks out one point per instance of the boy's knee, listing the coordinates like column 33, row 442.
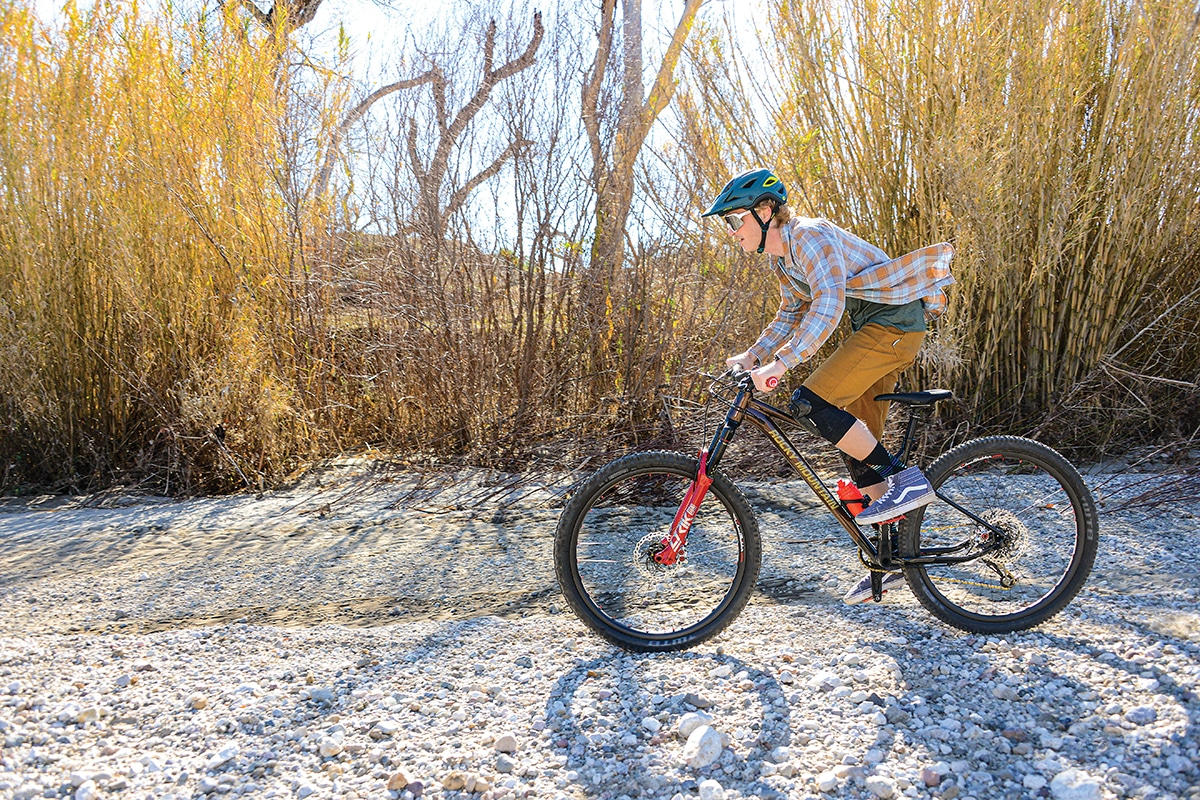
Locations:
column 830, row 421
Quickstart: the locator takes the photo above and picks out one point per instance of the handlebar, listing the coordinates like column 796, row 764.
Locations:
column 731, row 378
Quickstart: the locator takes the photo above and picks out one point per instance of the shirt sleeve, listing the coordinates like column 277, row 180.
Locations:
column 792, row 307
column 825, row 265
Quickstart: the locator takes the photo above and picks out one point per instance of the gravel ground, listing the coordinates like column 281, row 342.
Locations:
column 367, row 634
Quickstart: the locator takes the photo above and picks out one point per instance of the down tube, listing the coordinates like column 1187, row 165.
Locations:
column 764, row 423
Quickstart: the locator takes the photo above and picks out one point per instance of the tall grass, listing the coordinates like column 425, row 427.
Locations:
column 143, row 243
column 178, row 309
column 1056, row 143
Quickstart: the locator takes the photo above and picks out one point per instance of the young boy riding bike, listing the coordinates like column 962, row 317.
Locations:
column 825, row 271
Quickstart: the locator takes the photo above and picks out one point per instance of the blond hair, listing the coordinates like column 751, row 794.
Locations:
column 782, row 214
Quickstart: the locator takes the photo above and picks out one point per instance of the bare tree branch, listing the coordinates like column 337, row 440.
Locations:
column 665, row 83
column 459, row 197
column 354, row 116
column 432, row 182
column 260, row 16
column 591, row 90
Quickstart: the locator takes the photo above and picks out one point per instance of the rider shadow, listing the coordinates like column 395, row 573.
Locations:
column 598, row 715
column 1049, row 711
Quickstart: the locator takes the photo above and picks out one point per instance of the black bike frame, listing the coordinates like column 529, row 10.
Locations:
column 745, row 408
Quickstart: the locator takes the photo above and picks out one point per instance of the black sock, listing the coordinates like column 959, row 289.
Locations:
column 883, row 462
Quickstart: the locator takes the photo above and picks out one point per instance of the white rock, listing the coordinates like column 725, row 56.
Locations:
column 703, row 747
column 1142, row 715
column 690, row 721
column 387, row 727
column 827, row 781
column 87, row 791
column 505, row 743
column 881, row 786
column 651, row 724
column 723, row 671
column 711, row 790
column 222, row 756
column 825, row 681
column 1073, row 784
column 1033, row 782
column 1178, row 764
column 331, row 746
column 68, row 712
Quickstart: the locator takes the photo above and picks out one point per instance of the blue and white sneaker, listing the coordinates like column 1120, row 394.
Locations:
column 861, row 593
column 906, row 490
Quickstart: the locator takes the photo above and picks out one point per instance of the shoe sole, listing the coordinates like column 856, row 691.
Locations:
column 869, row 598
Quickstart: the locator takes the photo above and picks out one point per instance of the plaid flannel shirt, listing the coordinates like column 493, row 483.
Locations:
column 825, row 265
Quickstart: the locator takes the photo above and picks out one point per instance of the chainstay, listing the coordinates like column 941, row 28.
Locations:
column 874, row 568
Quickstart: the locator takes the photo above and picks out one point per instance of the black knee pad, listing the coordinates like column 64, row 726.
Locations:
column 831, row 422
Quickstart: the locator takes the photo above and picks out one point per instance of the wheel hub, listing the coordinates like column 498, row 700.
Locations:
column 644, row 552
column 1012, row 537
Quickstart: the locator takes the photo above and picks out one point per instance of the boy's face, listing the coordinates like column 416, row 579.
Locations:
column 748, row 233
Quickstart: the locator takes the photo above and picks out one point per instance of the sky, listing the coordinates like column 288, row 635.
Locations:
column 375, row 30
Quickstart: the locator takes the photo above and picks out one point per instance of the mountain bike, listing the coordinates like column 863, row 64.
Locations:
column 660, row 551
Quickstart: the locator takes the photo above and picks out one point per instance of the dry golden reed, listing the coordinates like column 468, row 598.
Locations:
column 178, row 308
column 143, row 244
column 1054, row 142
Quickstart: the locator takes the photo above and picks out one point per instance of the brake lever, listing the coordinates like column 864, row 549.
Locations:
column 742, row 378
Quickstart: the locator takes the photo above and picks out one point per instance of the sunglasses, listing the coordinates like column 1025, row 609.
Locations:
column 735, row 220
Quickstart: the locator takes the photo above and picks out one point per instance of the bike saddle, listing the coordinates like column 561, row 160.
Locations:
column 917, row 399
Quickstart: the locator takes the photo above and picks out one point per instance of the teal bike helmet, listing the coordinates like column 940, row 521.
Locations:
column 748, row 190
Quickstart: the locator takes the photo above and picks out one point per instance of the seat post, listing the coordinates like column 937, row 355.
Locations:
column 910, row 432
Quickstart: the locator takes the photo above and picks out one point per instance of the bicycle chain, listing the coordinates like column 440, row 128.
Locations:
column 874, row 568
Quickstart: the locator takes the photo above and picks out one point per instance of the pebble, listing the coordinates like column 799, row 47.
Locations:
column 1075, row 784
column 881, row 786
column 827, row 781
column 1142, row 715
column 797, row 697
column 690, row 721
column 703, row 747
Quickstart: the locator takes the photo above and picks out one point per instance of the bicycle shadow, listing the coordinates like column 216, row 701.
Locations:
column 1089, row 699
column 591, row 705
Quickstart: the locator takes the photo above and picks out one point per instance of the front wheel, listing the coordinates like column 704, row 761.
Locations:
column 1031, row 557
column 612, row 527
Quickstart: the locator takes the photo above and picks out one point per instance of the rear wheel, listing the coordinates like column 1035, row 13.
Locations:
column 1029, row 560
column 617, row 520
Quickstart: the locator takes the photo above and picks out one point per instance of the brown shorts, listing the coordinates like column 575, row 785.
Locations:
column 866, row 363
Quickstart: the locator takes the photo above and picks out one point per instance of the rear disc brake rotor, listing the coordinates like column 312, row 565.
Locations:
column 1013, row 535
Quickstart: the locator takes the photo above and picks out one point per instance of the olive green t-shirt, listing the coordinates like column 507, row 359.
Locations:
column 907, row 317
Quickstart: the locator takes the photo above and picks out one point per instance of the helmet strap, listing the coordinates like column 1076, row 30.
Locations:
column 764, row 226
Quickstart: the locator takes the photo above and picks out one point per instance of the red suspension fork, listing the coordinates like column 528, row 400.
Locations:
column 686, row 515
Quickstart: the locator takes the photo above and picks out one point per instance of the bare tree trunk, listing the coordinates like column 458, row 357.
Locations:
column 613, row 162
column 432, row 211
